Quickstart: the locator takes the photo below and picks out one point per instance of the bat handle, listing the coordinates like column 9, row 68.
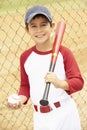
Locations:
column 44, row 101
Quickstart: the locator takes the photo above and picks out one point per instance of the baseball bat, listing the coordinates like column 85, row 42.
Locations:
column 55, row 50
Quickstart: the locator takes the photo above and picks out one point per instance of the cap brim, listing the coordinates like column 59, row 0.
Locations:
column 34, row 14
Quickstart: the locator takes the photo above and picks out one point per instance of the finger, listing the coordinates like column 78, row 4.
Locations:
column 14, row 106
column 9, row 104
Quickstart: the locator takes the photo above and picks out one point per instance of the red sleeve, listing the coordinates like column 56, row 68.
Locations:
column 73, row 74
column 24, row 83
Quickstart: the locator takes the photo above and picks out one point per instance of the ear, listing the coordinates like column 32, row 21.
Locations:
column 53, row 30
column 53, row 25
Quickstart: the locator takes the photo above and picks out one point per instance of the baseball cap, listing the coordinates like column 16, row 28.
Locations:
column 35, row 10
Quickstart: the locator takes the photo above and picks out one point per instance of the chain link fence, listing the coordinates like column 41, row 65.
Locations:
column 14, row 40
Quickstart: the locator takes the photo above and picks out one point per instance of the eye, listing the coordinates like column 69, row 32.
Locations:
column 33, row 26
column 44, row 24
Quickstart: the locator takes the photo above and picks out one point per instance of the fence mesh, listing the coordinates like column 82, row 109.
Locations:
column 14, row 40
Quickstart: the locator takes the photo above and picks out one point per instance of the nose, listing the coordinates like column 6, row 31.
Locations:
column 38, row 29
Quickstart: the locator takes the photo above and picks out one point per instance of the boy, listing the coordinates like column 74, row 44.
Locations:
column 65, row 80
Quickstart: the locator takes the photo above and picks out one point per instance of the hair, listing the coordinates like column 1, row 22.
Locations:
column 37, row 16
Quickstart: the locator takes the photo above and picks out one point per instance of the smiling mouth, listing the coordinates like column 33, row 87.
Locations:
column 40, row 36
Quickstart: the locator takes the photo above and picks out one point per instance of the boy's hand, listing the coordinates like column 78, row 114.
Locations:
column 13, row 106
column 14, row 101
column 52, row 78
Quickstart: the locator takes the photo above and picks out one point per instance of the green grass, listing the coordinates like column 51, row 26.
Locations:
column 13, row 5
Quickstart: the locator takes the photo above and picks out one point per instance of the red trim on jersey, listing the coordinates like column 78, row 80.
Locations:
column 24, row 83
column 72, row 71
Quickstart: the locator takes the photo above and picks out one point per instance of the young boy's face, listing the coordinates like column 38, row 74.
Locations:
column 40, row 29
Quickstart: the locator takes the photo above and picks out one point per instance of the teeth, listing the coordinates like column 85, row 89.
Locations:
column 39, row 36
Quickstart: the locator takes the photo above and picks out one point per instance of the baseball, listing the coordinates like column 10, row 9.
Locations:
column 14, row 99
